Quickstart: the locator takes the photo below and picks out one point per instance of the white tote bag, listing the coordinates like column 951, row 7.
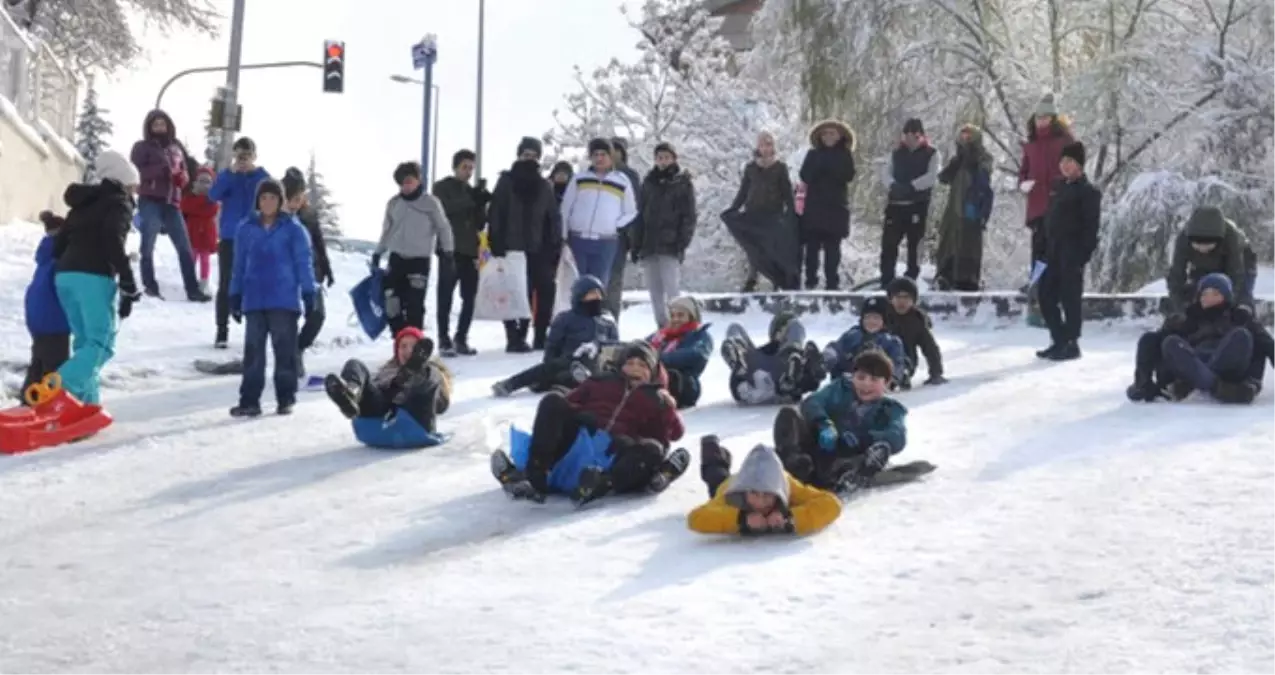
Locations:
column 567, row 275
column 502, row 289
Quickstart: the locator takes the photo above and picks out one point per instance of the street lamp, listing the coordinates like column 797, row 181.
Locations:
column 433, row 160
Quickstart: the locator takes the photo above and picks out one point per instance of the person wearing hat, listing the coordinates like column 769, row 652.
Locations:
column 760, row 499
column 295, row 202
column 684, row 346
column 908, row 322
column 909, row 174
column 870, row 334
column 92, row 269
column 414, row 228
column 559, row 176
column 827, row 171
column 235, row 190
column 272, row 285
column 968, row 176
column 1214, row 346
column 1047, row 134
column 1210, row 243
column 466, row 208
column 597, row 205
column 631, row 406
column 662, row 232
column 1071, row 237
column 524, row 217
column 781, row 370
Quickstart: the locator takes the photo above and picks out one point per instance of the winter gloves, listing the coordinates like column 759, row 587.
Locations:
column 752, row 524
column 308, row 301
column 128, row 296
column 828, row 437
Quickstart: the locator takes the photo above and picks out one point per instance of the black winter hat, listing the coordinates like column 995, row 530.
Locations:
column 1075, row 151
column 268, row 186
column 293, row 182
column 529, row 143
column 620, row 146
column 665, row 146
column 873, row 305
column 913, row 126
column 901, row 285
column 643, row 351
column 600, row 145
column 407, row 170
column 562, row 167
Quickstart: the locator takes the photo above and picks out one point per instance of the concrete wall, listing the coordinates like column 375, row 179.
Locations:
column 35, row 167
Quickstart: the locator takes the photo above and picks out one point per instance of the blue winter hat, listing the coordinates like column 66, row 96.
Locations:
column 1218, row 282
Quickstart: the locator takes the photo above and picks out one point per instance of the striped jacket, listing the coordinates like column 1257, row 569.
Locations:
column 597, row 206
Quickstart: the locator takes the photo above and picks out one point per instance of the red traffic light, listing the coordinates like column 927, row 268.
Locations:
column 336, row 50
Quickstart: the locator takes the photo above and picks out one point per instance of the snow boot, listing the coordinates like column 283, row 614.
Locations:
column 198, row 295
column 669, row 470
column 242, row 410
column 513, row 481
column 501, row 389
column 1235, row 392
column 462, row 347
column 733, row 351
column 1048, row 352
column 788, row 429
column 222, row 341
column 343, row 394
column 1144, row 391
column 790, row 379
column 594, row 484
column 284, row 409
column 1067, row 351
column 445, row 347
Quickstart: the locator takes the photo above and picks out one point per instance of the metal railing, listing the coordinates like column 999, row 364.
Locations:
column 35, row 81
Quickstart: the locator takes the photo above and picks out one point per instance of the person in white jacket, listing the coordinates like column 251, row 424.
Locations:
column 598, row 202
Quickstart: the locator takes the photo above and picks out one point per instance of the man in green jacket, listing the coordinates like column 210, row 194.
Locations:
column 466, row 209
column 1211, row 243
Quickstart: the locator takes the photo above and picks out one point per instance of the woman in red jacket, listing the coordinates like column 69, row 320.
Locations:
column 1047, row 134
column 200, row 213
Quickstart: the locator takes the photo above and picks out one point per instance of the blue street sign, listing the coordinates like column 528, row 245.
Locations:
column 424, row 53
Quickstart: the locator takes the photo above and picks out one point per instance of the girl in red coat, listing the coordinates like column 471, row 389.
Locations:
column 200, row 213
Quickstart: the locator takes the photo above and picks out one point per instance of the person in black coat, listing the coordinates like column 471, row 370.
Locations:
column 1214, row 346
column 825, row 221
column 524, row 216
column 295, row 202
column 1071, row 235
column 466, row 209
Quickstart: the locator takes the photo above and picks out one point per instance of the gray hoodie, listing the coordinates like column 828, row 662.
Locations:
column 413, row 226
column 762, row 471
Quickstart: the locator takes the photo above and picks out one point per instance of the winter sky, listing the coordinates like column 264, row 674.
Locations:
column 360, row 135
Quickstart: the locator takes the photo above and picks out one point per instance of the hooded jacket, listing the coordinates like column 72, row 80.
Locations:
column 415, row 227
column 1231, row 256
column 200, row 214
column 559, row 190
column 573, row 328
column 809, row 509
column 827, row 173
column 1040, row 164
column 273, row 268
column 44, row 312
column 523, row 215
column 667, row 223
column 160, row 162
column 883, row 420
column 237, row 194
column 92, row 240
column 598, row 205
column 309, row 219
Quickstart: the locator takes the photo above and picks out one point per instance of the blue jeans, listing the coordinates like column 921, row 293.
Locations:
column 593, row 256
column 280, row 326
column 156, row 218
column 89, row 302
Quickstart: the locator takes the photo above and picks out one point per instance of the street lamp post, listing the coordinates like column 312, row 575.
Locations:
column 424, row 55
column 438, row 102
column 227, row 135
column 478, row 124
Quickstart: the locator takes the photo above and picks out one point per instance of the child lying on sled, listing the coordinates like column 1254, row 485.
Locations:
column 399, row 405
column 760, row 499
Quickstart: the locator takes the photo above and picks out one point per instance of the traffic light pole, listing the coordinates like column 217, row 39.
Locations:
column 159, row 100
column 428, row 118
column 226, row 136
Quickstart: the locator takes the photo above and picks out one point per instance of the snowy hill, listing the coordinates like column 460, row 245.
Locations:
column 1066, row 530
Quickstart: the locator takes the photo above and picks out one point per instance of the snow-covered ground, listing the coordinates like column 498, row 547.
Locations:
column 1065, row 531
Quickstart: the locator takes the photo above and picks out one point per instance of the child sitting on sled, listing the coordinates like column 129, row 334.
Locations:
column 870, row 334
column 844, row 434
column 630, row 407
column 760, row 499
column 781, row 371
column 684, row 345
column 398, row 406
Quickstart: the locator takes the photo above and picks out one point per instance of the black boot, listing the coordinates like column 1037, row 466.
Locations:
column 462, row 346
column 1143, row 390
column 1048, row 352
column 1242, row 392
column 344, row 394
column 788, row 429
column 1067, row 351
column 513, row 481
column 594, row 484
column 445, row 347
column 222, row 339
column 669, row 470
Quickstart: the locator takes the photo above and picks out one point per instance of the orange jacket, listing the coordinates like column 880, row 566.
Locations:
column 812, row 510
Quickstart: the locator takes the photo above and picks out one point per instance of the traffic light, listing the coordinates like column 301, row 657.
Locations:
column 333, row 66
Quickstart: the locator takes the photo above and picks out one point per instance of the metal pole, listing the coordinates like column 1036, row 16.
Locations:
column 478, row 130
column 232, row 83
column 433, row 160
column 425, row 123
column 159, row 100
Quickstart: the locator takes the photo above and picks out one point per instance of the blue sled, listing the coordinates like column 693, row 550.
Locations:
column 368, row 297
column 585, row 452
column 400, row 431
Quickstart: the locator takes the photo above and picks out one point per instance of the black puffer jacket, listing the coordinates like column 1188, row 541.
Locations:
column 668, row 214
column 1071, row 224
column 96, row 227
column 524, row 212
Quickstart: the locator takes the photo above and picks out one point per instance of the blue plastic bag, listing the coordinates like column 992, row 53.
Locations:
column 368, row 298
column 399, row 431
column 587, row 450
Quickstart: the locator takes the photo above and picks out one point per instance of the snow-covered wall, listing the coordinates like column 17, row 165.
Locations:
column 34, row 169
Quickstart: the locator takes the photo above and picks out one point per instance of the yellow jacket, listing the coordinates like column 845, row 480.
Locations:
column 812, row 509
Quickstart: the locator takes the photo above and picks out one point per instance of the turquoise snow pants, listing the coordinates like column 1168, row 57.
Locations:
column 89, row 302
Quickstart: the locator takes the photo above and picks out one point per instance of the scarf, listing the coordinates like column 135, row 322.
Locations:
column 666, row 339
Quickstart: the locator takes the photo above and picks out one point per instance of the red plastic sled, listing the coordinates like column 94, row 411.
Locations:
column 53, row 418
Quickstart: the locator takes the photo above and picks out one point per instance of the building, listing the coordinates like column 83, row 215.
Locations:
column 737, row 16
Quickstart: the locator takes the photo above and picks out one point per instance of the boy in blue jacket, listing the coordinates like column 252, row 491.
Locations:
column 271, row 285
column 573, row 345
column 870, row 334
column 46, row 322
column 845, row 433
column 684, row 346
column 235, row 189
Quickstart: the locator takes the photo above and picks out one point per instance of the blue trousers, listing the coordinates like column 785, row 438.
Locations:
column 593, row 256
column 89, row 302
column 280, row 326
column 156, row 218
